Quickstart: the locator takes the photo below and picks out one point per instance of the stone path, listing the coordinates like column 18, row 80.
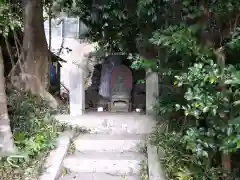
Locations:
column 113, row 148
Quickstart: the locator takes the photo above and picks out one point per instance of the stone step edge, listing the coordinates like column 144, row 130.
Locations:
column 93, row 155
column 54, row 162
column 97, row 176
column 155, row 171
column 121, row 165
column 107, row 125
column 110, row 143
column 99, row 137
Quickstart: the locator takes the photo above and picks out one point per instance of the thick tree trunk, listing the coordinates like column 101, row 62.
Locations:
column 35, row 50
column 6, row 140
column 35, row 66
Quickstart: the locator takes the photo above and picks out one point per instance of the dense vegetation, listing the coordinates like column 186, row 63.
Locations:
column 34, row 130
column 194, row 47
column 23, row 109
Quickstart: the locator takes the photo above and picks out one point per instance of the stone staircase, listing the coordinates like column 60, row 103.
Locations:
column 113, row 149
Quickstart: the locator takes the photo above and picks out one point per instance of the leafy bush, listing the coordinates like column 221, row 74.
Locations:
column 34, row 130
column 203, row 115
column 180, row 162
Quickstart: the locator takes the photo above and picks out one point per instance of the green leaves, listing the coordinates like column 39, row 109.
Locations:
column 235, row 121
column 34, row 131
column 186, row 156
column 9, row 20
column 32, row 123
column 234, row 78
column 181, row 40
column 146, row 10
column 224, row 9
column 143, row 63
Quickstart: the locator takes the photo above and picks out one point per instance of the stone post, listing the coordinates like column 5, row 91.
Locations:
column 152, row 90
column 76, row 91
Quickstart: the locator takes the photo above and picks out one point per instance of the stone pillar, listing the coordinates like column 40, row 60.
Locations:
column 152, row 90
column 76, row 91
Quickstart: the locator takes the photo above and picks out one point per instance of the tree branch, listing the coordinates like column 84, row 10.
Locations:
column 9, row 50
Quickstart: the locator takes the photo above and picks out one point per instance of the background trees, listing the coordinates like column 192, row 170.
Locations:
column 194, row 47
column 26, row 121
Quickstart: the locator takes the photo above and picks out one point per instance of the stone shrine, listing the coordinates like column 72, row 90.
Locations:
column 121, row 87
column 107, row 67
column 100, row 93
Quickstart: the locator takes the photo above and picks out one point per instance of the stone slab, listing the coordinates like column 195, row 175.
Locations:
column 152, row 91
column 97, row 176
column 111, row 123
column 110, row 143
column 76, row 91
column 154, row 166
column 126, row 163
column 53, row 165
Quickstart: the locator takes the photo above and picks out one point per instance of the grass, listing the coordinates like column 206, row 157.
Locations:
column 144, row 170
column 143, row 165
column 34, row 131
column 71, row 148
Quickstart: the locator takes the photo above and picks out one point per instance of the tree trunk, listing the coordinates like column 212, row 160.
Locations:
column 35, row 66
column 6, row 140
column 226, row 158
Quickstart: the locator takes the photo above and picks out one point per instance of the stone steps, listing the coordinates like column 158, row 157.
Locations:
column 97, row 176
column 110, row 143
column 112, row 148
column 111, row 123
column 115, row 163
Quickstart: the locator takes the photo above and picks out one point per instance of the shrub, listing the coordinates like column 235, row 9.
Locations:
column 181, row 163
column 34, row 130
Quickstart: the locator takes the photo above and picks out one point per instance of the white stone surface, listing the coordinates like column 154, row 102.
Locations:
column 97, row 176
column 152, row 90
column 154, row 166
column 109, row 152
column 53, row 164
column 111, row 123
column 100, row 109
column 127, row 163
column 77, row 91
column 79, row 54
column 110, row 143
